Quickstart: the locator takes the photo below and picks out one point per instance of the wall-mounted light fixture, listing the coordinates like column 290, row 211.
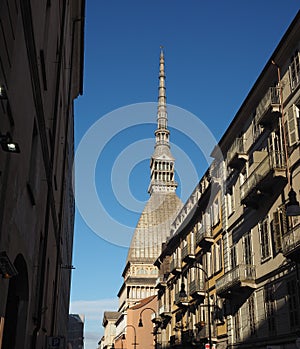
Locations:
column 7, row 144
column 7, row 269
column 3, row 94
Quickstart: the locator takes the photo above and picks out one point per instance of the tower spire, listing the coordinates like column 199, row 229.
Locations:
column 162, row 117
column 162, row 161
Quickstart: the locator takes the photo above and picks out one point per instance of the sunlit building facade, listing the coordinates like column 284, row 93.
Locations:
column 229, row 273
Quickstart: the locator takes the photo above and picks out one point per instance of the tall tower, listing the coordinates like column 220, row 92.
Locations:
column 162, row 162
column 153, row 226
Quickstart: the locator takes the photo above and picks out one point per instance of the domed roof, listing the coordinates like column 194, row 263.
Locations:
column 153, row 226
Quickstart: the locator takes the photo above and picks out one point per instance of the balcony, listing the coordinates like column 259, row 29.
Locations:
column 203, row 332
column 179, row 301
column 268, row 109
column 270, row 173
column 175, row 266
column 187, row 253
column 239, row 277
column 187, row 336
column 161, row 282
column 165, row 311
column 203, row 236
column 155, row 318
column 291, row 244
column 236, row 155
column 197, row 289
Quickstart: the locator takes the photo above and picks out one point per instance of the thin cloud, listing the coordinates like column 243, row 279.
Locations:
column 93, row 315
column 93, row 310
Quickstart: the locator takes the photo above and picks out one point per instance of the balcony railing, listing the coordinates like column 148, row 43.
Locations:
column 179, row 301
column 197, row 288
column 164, row 310
column 236, row 154
column 175, row 266
column 161, row 281
column 203, row 236
column 203, row 332
column 264, row 175
column 155, row 318
column 187, row 252
column 269, row 105
column 241, row 276
column 291, row 243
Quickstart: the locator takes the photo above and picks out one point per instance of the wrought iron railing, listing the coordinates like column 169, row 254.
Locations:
column 203, row 233
column 273, row 161
column 164, row 309
column 271, row 99
column 187, row 250
column 175, row 264
column 291, row 240
column 236, row 148
column 240, row 273
column 196, row 286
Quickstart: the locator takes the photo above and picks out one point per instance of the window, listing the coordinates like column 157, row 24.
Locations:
column 243, row 176
column 252, row 320
column 256, row 129
column 233, row 258
column 230, row 201
column 218, row 256
column 265, row 248
column 294, row 70
column 292, row 125
column 247, row 248
column 237, row 326
column 293, row 304
column 270, row 308
column 207, row 263
column 215, row 213
column 279, row 227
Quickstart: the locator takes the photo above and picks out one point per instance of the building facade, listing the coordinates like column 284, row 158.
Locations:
column 136, row 327
column 229, row 273
column 41, row 73
column 75, row 331
column 109, row 325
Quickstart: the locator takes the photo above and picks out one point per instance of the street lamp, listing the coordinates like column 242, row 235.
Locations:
column 182, row 294
column 292, row 207
column 134, row 331
column 141, row 322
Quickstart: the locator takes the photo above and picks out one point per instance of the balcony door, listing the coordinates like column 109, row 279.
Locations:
column 275, row 150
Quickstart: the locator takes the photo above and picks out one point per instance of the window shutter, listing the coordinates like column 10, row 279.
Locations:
column 277, row 230
column 292, row 125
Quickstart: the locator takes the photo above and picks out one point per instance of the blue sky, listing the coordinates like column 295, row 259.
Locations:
column 214, row 52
